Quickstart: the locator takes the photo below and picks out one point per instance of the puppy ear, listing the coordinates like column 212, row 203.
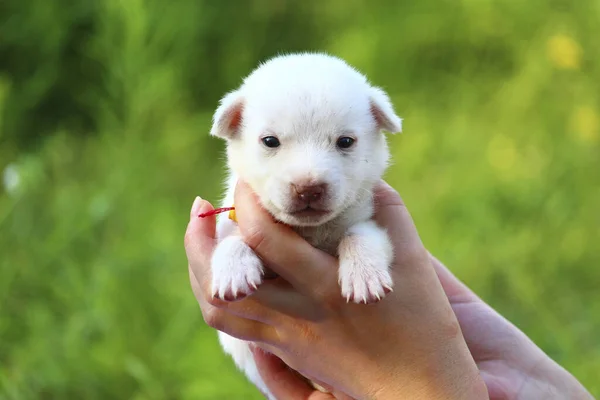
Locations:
column 227, row 120
column 383, row 112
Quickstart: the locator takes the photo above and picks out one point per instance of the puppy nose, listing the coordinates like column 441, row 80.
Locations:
column 308, row 193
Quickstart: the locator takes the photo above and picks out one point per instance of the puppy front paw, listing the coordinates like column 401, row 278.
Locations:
column 365, row 258
column 362, row 282
column 236, row 270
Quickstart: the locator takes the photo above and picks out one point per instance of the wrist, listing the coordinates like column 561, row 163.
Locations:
column 454, row 377
column 469, row 388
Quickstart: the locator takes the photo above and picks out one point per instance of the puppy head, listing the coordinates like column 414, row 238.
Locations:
column 305, row 132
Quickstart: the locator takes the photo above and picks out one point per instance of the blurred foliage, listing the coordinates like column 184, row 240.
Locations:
column 104, row 115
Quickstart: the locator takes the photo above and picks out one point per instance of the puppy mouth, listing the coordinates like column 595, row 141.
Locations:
column 309, row 212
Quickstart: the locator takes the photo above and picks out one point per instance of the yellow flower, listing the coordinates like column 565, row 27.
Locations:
column 564, row 52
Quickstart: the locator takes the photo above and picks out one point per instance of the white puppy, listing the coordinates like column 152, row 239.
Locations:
column 305, row 132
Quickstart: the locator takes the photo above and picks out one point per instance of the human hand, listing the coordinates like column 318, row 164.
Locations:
column 408, row 345
column 512, row 366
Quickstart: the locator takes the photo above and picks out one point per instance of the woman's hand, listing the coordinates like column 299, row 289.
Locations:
column 408, row 345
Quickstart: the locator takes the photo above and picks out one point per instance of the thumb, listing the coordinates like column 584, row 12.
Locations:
column 456, row 291
column 200, row 237
column 392, row 215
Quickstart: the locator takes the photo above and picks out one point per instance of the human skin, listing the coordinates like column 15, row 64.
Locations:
column 432, row 338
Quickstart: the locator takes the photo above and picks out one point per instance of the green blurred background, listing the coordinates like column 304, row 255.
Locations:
column 105, row 109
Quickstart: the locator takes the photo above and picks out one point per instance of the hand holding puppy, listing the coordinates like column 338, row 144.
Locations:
column 306, row 133
column 410, row 345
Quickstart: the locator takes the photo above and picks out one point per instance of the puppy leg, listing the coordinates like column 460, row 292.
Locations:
column 365, row 257
column 236, row 269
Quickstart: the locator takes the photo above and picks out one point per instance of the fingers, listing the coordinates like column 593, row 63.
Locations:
column 309, row 270
column 200, row 237
column 225, row 321
column 392, row 215
column 283, row 382
column 200, row 243
column 456, row 291
column 248, row 308
column 286, row 304
column 238, row 327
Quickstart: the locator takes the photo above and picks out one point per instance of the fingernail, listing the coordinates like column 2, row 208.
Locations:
column 255, row 349
column 196, row 206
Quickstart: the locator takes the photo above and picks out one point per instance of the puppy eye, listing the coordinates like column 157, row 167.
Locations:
column 345, row 142
column 271, row 141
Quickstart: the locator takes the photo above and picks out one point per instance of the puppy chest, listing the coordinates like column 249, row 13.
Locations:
column 322, row 238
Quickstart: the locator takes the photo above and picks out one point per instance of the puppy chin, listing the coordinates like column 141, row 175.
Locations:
column 300, row 219
column 306, row 221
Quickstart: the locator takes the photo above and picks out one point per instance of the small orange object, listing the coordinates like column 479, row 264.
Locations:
column 232, row 214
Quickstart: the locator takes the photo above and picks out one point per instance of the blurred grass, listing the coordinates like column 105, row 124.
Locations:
column 104, row 116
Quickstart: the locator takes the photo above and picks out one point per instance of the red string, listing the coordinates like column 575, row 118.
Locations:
column 216, row 211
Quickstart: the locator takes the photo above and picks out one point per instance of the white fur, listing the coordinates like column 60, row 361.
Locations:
column 307, row 101
column 235, row 268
